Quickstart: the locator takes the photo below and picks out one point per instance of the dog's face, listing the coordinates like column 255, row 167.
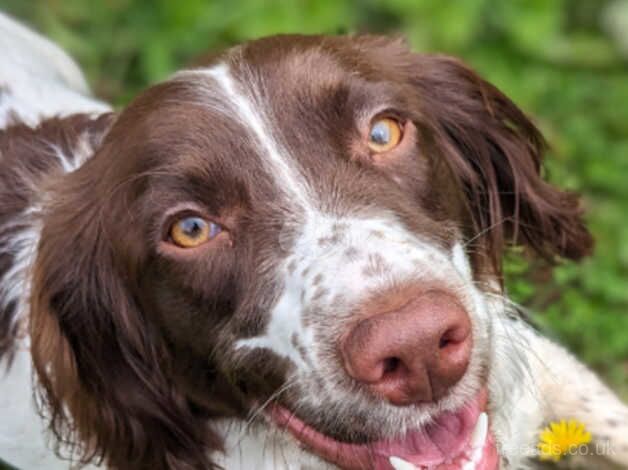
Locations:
column 308, row 229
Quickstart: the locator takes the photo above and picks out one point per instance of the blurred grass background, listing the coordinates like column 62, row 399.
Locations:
column 565, row 62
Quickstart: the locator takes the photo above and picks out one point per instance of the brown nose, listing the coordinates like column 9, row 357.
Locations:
column 412, row 354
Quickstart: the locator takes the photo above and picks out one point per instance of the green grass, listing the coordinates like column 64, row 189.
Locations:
column 555, row 59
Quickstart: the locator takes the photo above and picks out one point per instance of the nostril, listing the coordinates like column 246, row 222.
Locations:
column 391, row 364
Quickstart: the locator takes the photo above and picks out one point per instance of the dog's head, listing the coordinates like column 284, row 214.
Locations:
column 307, row 231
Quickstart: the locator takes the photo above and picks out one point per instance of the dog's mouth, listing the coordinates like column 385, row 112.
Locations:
column 459, row 440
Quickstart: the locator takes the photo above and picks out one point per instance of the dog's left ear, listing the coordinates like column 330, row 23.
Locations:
column 495, row 153
column 103, row 370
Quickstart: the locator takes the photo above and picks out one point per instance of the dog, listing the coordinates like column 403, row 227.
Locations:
column 289, row 257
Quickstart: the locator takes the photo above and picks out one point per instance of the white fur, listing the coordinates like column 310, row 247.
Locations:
column 22, row 243
column 23, row 440
column 81, row 152
column 42, row 80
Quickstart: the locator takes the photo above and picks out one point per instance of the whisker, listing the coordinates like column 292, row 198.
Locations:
column 259, row 409
column 486, row 230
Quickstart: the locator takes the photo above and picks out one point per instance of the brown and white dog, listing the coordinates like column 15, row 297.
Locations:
column 288, row 258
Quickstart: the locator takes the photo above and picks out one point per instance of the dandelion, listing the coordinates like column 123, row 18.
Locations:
column 556, row 440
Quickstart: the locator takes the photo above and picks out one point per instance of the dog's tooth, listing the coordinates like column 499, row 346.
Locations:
column 477, row 441
column 468, row 465
column 478, row 437
column 400, row 464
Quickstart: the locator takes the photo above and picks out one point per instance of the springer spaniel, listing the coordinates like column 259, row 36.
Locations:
column 288, row 258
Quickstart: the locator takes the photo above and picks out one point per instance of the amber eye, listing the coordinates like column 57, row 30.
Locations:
column 384, row 134
column 190, row 232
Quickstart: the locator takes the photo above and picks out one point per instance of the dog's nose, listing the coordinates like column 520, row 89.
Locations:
column 413, row 354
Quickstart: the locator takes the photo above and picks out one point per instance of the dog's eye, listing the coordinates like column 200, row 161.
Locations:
column 190, row 232
column 384, row 134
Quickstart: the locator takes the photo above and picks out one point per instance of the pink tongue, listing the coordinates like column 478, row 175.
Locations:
column 440, row 443
column 446, row 437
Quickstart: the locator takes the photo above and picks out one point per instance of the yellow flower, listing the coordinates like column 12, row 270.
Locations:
column 556, row 440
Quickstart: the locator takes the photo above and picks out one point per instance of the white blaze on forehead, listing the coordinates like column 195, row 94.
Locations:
column 38, row 80
column 246, row 102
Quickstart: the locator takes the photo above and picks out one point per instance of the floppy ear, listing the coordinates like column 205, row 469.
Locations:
column 495, row 153
column 103, row 369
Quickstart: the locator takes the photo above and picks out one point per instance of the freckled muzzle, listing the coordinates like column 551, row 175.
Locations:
column 368, row 306
column 412, row 354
